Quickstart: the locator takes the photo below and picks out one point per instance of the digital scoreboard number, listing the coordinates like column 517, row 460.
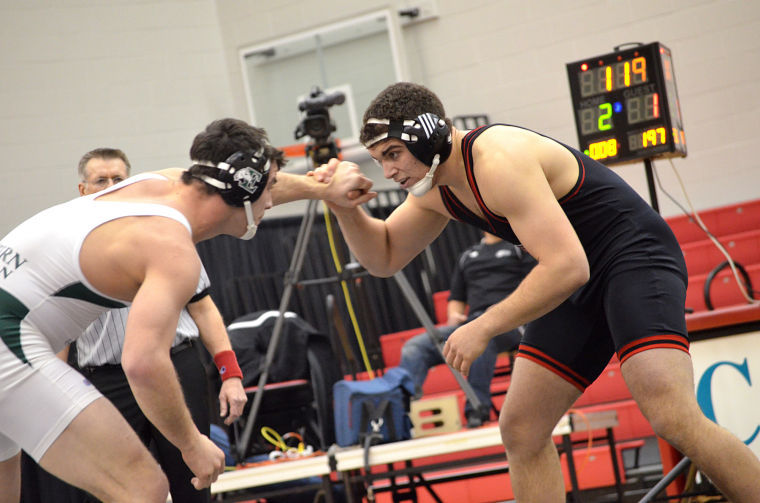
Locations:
column 626, row 105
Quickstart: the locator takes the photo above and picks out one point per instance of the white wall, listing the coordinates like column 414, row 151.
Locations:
column 507, row 58
column 147, row 75
column 143, row 76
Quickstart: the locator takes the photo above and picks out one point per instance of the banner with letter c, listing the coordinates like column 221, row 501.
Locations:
column 727, row 380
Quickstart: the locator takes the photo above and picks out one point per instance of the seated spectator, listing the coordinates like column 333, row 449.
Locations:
column 484, row 274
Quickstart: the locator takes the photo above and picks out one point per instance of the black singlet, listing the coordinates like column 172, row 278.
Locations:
column 617, row 228
column 634, row 299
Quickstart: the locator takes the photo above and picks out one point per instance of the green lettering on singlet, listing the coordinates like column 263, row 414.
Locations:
column 12, row 311
column 81, row 292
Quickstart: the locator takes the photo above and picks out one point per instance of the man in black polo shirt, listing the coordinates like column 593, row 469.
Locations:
column 484, row 274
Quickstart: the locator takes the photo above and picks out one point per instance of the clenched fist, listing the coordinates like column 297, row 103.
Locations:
column 347, row 186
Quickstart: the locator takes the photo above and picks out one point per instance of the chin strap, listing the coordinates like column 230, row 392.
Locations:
column 423, row 186
column 250, row 231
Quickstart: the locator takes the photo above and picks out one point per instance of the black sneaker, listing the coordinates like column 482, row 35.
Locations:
column 473, row 419
column 476, row 418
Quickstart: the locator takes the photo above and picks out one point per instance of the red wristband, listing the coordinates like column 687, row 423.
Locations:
column 226, row 362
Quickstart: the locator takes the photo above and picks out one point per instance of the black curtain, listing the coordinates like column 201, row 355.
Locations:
column 248, row 276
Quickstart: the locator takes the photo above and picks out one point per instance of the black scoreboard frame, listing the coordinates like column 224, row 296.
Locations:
column 626, row 106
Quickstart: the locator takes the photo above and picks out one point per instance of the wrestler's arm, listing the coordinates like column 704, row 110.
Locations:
column 348, row 186
column 384, row 247
column 169, row 266
column 544, row 230
column 206, row 315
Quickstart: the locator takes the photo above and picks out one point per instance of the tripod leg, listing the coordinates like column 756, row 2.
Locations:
column 426, row 322
column 291, row 277
column 667, row 479
column 349, row 363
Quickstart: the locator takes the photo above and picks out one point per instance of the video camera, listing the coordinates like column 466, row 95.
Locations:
column 317, row 124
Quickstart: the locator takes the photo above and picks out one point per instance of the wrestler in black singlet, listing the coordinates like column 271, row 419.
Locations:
column 635, row 297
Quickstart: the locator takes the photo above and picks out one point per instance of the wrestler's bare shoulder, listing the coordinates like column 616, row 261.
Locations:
column 171, row 173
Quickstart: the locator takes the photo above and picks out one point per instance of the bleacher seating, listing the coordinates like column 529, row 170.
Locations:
column 724, row 291
column 721, row 221
column 737, row 228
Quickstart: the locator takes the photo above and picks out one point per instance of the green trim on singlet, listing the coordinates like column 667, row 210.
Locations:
column 12, row 311
column 80, row 292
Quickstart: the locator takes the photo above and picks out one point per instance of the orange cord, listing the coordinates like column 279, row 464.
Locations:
column 583, row 416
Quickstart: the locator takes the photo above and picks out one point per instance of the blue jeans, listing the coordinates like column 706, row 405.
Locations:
column 420, row 354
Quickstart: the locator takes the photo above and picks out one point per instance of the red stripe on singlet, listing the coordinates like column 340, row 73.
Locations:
column 652, row 346
column 452, row 203
column 578, row 185
column 471, row 178
column 656, row 341
column 553, row 365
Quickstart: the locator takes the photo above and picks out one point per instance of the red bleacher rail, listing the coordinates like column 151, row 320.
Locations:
column 721, row 221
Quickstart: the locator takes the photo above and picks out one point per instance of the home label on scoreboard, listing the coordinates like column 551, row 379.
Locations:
column 626, row 105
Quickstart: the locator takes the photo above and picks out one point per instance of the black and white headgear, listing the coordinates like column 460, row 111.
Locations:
column 427, row 137
column 241, row 177
column 241, row 180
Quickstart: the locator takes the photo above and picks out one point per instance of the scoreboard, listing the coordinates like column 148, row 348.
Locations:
column 626, row 105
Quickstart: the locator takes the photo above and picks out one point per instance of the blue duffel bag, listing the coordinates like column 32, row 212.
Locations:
column 378, row 408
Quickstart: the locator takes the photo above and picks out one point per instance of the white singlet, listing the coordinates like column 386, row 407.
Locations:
column 45, row 304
